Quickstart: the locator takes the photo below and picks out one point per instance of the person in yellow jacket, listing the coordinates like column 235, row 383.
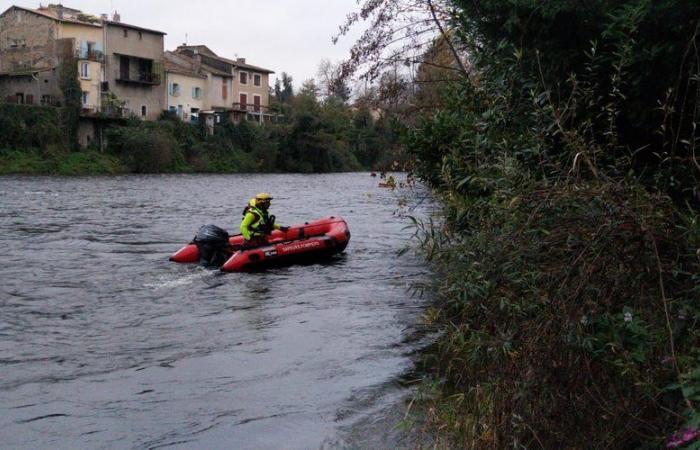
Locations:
column 257, row 222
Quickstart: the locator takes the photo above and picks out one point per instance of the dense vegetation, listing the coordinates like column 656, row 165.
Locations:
column 315, row 133
column 569, row 254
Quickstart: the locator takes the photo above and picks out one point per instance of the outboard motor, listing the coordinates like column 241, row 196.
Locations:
column 212, row 244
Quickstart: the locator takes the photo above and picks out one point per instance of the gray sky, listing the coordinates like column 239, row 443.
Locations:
column 281, row 35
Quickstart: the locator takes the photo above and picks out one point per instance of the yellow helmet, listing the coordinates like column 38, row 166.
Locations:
column 263, row 197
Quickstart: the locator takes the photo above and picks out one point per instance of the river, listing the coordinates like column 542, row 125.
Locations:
column 107, row 344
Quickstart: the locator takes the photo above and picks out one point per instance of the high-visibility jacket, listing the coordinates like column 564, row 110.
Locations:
column 256, row 221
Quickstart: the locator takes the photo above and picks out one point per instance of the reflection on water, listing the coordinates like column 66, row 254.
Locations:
column 106, row 344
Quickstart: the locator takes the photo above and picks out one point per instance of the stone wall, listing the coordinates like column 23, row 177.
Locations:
column 26, row 41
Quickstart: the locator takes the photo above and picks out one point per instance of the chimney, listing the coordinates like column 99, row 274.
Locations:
column 197, row 65
column 116, row 17
column 240, row 60
column 104, row 17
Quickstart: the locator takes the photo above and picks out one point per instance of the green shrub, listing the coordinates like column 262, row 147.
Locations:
column 143, row 148
column 89, row 162
column 568, row 250
column 31, row 127
column 565, row 306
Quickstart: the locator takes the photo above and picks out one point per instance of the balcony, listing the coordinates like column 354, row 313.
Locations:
column 90, row 55
column 87, row 109
column 137, row 71
column 250, row 107
column 142, row 79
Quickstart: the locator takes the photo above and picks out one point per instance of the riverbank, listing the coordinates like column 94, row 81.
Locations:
column 89, row 162
column 568, row 257
column 313, row 136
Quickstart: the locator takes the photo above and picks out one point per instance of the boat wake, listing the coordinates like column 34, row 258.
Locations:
column 165, row 282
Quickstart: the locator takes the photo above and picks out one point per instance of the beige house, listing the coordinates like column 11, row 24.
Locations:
column 235, row 88
column 251, row 89
column 186, row 88
column 134, row 68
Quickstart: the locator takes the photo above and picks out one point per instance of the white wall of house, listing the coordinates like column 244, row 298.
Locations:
column 90, row 76
column 219, row 90
column 186, row 95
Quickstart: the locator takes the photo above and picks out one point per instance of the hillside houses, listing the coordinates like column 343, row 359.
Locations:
column 123, row 70
column 234, row 90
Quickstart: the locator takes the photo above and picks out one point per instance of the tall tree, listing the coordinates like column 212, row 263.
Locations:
column 287, row 89
column 278, row 89
column 331, row 83
column 399, row 32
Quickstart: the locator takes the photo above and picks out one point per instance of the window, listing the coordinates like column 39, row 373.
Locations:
column 144, row 110
column 124, row 67
column 256, row 79
column 30, row 99
column 85, row 70
column 46, row 100
column 244, row 101
column 126, row 32
column 175, row 89
column 196, row 92
column 140, row 35
column 224, row 89
column 244, row 77
column 256, row 103
column 85, row 99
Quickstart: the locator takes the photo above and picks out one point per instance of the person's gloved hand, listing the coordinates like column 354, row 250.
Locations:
column 285, row 229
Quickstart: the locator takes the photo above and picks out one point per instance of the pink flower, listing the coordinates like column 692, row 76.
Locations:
column 678, row 440
column 690, row 434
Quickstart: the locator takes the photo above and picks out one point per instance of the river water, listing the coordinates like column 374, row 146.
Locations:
column 107, row 344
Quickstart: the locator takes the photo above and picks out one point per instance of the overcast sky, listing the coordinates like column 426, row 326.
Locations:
column 281, row 35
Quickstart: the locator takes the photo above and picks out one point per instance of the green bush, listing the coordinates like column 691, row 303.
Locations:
column 568, row 250
column 143, row 148
column 89, row 162
column 31, row 127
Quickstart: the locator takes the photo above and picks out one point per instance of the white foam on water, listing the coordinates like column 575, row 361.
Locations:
column 165, row 282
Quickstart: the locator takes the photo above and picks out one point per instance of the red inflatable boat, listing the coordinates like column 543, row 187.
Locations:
column 307, row 241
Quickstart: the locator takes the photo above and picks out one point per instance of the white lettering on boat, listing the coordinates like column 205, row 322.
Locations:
column 300, row 246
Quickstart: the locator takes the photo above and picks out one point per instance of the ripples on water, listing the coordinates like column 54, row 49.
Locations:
column 106, row 344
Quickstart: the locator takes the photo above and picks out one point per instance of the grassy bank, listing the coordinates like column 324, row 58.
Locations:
column 313, row 135
column 569, row 250
column 88, row 162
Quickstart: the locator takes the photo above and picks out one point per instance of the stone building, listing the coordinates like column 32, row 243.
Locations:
column 34, row 44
